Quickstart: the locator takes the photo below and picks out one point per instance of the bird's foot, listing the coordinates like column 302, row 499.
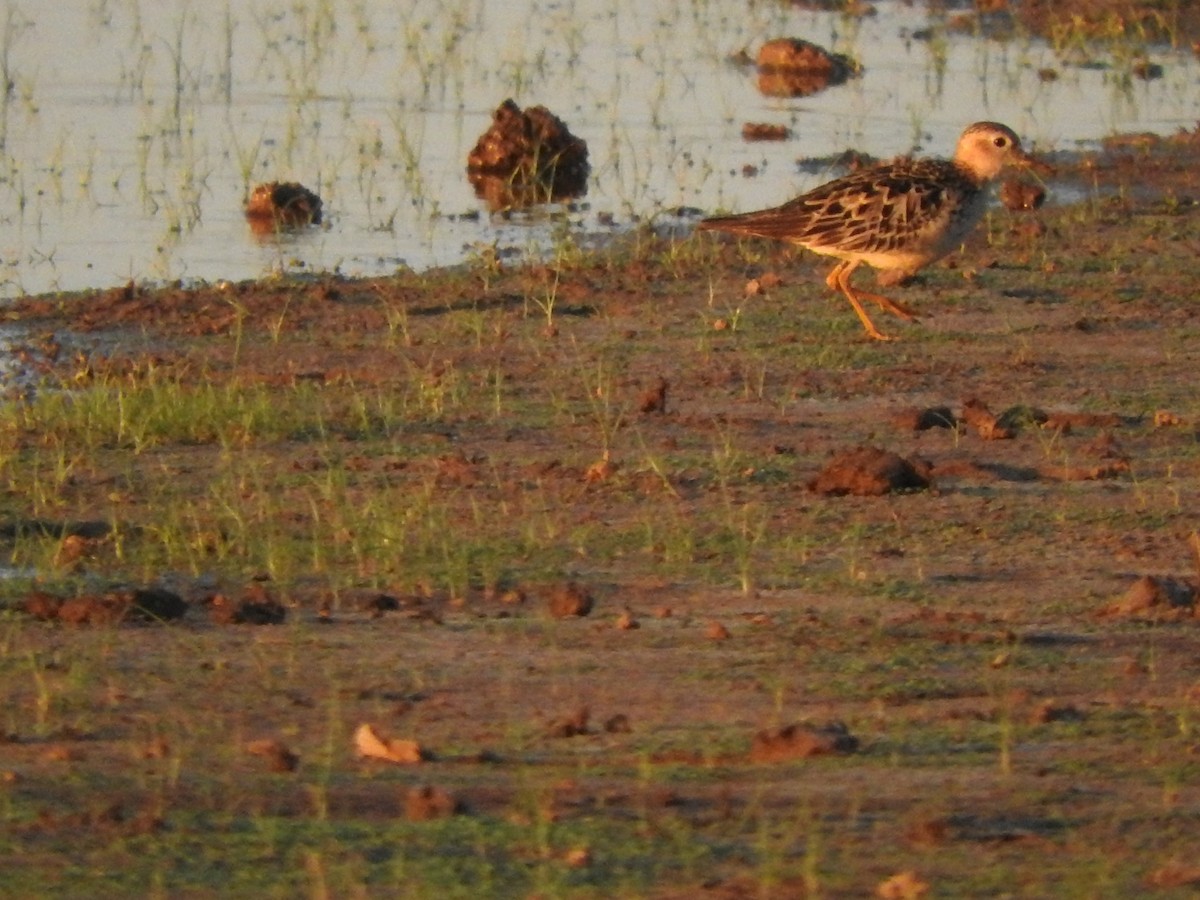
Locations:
column 886, row 303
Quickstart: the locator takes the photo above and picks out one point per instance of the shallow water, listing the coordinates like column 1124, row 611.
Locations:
column 133, row 128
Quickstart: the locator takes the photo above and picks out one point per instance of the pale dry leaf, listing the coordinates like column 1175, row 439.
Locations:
column 905, row 885
column 371, row 745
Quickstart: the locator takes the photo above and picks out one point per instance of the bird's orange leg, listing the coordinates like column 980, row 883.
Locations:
column 839, row 280
column 896, row 309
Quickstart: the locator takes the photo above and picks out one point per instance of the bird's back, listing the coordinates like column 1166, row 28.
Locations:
column 911, row 209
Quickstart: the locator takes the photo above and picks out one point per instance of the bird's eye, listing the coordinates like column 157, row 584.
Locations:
column 1000, row 142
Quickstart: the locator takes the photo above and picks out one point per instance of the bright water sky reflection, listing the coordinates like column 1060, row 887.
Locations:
column 133, row 127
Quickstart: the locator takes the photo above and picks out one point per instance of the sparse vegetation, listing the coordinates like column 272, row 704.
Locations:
column 409, row 467
column 543, row 521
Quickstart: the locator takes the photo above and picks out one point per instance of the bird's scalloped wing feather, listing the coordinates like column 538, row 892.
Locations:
column 873, row 211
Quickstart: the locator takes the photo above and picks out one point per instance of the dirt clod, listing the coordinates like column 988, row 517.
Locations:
column 41, row 605
column 977, row 415
column 255, row 607
column 527, row 157
column 578, row 857
column 618, row 724
column 277, row 755
column 1156, row 597
column 1021, row 196
column 928, row 832
column 1054, row 711
column 763, row 131
column 424, row 803
column 114, row 607
column 74, row 548
column 914, row 419
column 801, row 742
column 570, row 726
column 570, row 600
column 626, row 621
column 601, row 470
column 870, row 472
column 1085, row 473
column 716, row 631
column 282, row 206
column 1174, row 874
column 654, row 398
column 905, row 885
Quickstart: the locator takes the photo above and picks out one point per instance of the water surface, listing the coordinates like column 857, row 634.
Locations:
column 133, row 128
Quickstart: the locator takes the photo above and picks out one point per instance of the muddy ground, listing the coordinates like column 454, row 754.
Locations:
column 563, row 536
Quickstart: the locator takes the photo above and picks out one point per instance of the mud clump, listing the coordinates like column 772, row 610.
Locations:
column 276, row 754
column 570, row 726
column 570, row 600
column 989, row 426
column 801, row 742
column 1053, row 711
column 1021, row 196
column 1003, row 426
column 915, row 419
column 1174, row 874
column 41, row 606
column 871, row 472
column 115, row 607
column 281, row 206
column 1103, row 471
column 1158, row 598
column 906, row 885
column 527, row 157
column 792, row 67
column 654, row 398
column 427, row 802
column 256, row 606
column 618, row 723
column 716, row 631
column 763, row 131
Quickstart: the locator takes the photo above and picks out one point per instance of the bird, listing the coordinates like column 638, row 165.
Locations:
column 898, row 216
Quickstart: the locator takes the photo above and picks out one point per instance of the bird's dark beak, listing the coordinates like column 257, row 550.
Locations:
column 1037, row 166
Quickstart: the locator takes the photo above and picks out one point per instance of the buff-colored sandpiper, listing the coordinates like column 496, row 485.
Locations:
column 898, row 216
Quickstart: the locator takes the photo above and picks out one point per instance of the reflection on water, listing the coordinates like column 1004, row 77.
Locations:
column 132, row 129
